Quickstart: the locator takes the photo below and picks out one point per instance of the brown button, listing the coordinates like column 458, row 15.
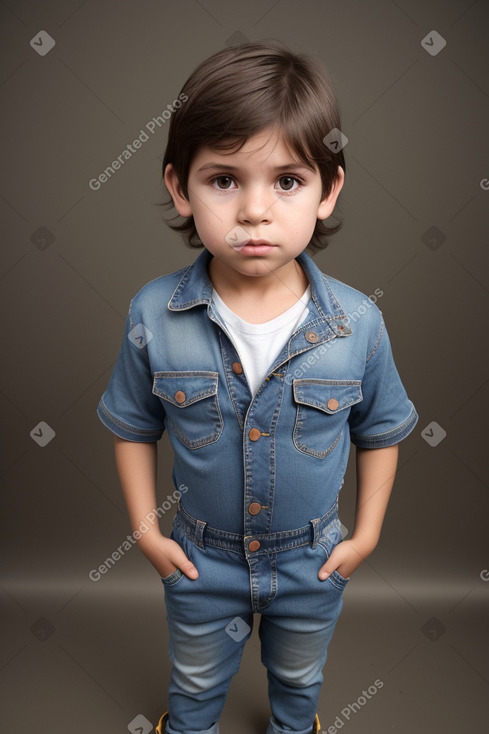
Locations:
column 254, row 508
column 237, row 368
column 312, row 337
column 180, row 396
column 254, row 434
column 254, row 545
column 340, row 327
column 333, row 403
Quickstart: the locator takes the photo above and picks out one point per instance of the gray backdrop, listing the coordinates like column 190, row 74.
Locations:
column 411, row 77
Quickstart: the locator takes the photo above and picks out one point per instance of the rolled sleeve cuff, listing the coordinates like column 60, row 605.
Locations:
column 125, row 430
column 389, row 438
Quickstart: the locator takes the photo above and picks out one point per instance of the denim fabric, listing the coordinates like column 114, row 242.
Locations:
column 211, row 618
column 261, row 473
column 286, row 448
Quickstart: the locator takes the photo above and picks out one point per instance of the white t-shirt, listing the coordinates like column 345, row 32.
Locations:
column 258, row 345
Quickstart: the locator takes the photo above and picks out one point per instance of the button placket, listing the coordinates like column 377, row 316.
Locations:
column 236, row 382
column 259, row 460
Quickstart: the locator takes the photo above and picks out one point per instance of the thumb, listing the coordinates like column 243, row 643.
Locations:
column 327, row 569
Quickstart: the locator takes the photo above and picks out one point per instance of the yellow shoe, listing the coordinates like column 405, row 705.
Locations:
column 160, row 727
column 316, row 729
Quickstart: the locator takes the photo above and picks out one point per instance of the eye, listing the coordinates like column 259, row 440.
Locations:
column 222, row 182
column 287, row 183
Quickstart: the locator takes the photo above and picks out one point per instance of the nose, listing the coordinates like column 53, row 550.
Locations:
column 255, row 206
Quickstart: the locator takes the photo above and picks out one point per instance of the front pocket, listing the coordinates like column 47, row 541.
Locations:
column 191, row 405
column 173, row 578
column 323, row 407
column 338, row 580
column 329, row 538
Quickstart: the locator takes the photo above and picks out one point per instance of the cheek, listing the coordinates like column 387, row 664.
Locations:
column 300, row 214
column 210, row 224
column 210, row 209
column 305, row 230
column 304, row 204
column 302, row 222
column 202, row 210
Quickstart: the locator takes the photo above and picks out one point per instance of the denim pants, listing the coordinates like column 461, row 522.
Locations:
column 210, row 619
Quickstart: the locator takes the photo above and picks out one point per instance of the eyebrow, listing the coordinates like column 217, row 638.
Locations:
column 285, row 167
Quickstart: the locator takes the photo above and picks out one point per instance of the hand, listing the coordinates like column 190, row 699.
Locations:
column 345, row 558
column 166, row 556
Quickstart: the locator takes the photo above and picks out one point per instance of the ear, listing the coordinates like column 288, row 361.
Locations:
column 329, row 202
column 180, row 202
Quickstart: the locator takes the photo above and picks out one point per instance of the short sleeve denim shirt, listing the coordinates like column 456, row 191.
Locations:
column 273, row 461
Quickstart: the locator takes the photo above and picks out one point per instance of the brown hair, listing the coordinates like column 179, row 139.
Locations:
column 238, row 92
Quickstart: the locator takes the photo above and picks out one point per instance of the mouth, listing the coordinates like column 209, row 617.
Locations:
column 254, row 247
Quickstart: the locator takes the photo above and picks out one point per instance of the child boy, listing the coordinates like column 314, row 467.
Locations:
column 248, row 358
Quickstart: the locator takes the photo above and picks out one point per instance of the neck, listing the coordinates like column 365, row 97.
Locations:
column 283, row 282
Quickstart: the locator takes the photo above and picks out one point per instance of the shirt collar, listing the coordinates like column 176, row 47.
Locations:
column 195, row 288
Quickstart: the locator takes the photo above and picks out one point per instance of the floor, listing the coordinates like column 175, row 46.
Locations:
column 94, row 660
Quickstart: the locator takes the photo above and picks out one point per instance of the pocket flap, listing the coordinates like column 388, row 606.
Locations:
column 184, row 388
column 329, row 396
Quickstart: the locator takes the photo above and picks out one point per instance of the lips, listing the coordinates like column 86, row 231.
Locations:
column 245, row 242
column 241, row 242
column 255, row 248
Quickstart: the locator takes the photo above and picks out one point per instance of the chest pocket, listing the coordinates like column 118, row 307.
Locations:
column 191, row 404
column 322, row 410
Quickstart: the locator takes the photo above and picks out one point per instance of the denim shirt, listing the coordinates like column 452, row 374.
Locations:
column 274, row 460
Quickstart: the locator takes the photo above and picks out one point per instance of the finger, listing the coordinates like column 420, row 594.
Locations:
column 181, row 561
column 189, row 570
column 326, row 570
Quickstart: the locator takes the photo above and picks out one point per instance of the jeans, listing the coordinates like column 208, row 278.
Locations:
column 210, row 619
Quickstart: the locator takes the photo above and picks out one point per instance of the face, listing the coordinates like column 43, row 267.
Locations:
column 256, row 209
